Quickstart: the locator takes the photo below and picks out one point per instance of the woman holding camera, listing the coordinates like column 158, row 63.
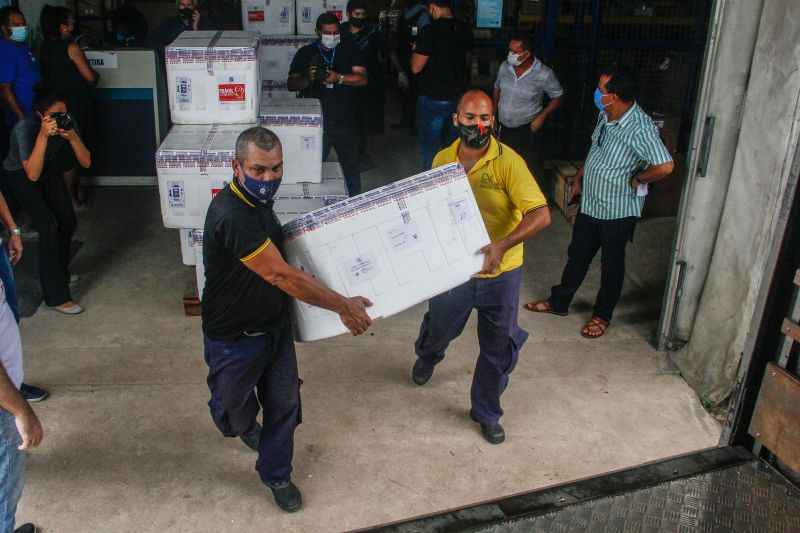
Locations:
column 41, row 149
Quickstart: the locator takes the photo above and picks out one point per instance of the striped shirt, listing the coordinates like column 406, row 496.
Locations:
column 620, row 150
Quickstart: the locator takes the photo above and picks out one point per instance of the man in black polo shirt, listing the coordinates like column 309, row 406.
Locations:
column 247, row 331
column 330, row 69
column 441, row 59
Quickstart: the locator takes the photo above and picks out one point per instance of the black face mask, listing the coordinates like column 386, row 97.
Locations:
column 357, row 23
column 475, row 136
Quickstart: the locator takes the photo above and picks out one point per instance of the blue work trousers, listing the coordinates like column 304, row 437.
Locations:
column 12, row 470
column 434, row 127
column 499, row 335
column 7, row 277
column 267, row 364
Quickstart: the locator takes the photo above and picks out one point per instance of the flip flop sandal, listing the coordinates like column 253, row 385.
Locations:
column 595, row 322
column 543, row 307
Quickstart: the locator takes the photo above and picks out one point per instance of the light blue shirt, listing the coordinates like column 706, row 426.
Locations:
column 521, row 97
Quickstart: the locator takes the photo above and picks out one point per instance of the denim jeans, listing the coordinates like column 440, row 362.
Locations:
column 7, row 277
column 12, row 470
column 268, row 364
column 435, row 127
column 499, row 335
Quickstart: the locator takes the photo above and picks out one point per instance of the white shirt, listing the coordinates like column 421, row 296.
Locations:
column 10, row 343
column 521, row 98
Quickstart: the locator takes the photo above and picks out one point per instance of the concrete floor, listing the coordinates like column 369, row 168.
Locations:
column 129, row 444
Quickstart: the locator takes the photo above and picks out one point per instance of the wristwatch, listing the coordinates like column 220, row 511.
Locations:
column 341, row 79
column 15, row 231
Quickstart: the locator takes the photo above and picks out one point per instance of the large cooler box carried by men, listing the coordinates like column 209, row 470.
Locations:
column 397, row 245
column 193, row 163
column 272, row 17
column 296, row 199
column 213, row 77
column 276, row 53
column 298, row 124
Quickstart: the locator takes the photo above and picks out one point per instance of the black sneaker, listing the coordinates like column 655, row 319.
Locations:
column 33, row 394
column 493, row 433
column 251, row 436
column 421, row 372
column 27, row 528
column 287, row 496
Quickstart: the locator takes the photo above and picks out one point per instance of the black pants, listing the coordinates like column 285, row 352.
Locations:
column 590, row 234
column 527, row 144
column 342, row 137
column 52, row 215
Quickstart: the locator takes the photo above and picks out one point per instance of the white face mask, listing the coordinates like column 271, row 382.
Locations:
column 330, row 41
column 514, row 59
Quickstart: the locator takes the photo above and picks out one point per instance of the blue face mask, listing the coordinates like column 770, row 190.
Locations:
column 19, row 33
column 598, row 97
column 263, row 190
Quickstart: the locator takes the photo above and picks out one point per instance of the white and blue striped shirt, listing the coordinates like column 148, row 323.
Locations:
column 620, row 149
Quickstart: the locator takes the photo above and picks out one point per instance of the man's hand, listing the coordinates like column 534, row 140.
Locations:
column 195, row 20
column 537, row 122
column 14, row 248
column 575, row 190
column 70, row 135
column 353, row 314
column 494, row 253
column 48, row 127
column 333, row 77
column 311, row 73
column 402, row 80
column 30, row 429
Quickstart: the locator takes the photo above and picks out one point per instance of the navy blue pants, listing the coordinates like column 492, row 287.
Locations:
column 589, row 235
column 499, row 335
column 268, row 364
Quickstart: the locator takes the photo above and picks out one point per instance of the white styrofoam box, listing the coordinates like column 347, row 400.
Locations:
column 193, row 163
column 307, row 13
column 276, row 52
column 337, row 7
column 296, row 199
column 276, row 90
column 397, row 245
column 298, row 124
column 213, row 77
column 200, row 267
column 187, row 245
column 274, row 17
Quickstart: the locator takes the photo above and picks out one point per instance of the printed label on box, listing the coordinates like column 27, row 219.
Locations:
column 305, row 15
column 404, row 236
column 361, row 269
column 255, row 14
column 284, row 16
column 337, row 12
column 231, row 90
column 272, row 64
column 307, row 143
column 175, row 196
column 460, row 209
column 183, row 90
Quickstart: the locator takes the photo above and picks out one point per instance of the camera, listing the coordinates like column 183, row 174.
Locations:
column 63, row 120
column 186, row 14
column 322, row 69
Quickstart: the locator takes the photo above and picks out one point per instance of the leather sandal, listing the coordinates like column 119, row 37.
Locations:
column 543, row 306
column 592, row 325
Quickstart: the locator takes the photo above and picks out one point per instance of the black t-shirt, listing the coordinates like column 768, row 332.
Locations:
column 338, row 101
column 236, row 299
column 446, row 42
column 372, row 45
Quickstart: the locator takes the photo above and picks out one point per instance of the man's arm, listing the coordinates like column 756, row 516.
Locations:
column 653, row 173
column 77, row 56
column 495, row 100
column 297, row 82
column 269, row 264
column 418, row 62
column 552, row 105
column 10, row 100
column 532, row 223
column 357, row 79
column 14, row 241
column 28, row 425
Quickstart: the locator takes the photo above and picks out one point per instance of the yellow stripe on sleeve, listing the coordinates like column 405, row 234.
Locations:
column 255, row 252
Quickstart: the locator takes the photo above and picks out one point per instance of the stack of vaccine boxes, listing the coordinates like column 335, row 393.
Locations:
column 215, row 94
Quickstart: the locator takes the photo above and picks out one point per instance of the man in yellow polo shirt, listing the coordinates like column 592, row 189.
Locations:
column 514, row 210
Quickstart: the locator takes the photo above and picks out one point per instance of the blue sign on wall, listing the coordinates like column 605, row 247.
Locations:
column 490, row 13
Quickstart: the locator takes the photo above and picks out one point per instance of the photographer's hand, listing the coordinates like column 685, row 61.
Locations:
column 69, row 135
column 48, row 127
column 195, row 20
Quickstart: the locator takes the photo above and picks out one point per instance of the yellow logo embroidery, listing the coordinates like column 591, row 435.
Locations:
column 488, row 182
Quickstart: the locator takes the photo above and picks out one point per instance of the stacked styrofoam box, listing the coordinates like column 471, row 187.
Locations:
column 187, row 245
column 276, row 53
column 200, row 268
column 397, row 245
column 298, row 124
column 307, row 13
column 213, row 77
column 273, row 17
column 296, row 199
column 337, row 7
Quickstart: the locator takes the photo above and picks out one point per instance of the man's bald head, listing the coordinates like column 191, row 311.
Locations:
column 474, row 98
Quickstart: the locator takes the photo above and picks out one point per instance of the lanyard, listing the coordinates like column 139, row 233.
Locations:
column 328, row 61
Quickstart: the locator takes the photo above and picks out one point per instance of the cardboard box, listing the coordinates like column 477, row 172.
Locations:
column 213, row 77
column 565, row 172
column 669, row 127
column 296, row 199
column 298, row 124
column 192, row 163
column 664, row 197
column 397, row 245
column 187, row 245
column 199, row 269
column 276, row 53
column 306, row 15
column 272, row 17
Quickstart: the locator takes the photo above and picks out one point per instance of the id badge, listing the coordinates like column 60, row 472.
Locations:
column 329, row 86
